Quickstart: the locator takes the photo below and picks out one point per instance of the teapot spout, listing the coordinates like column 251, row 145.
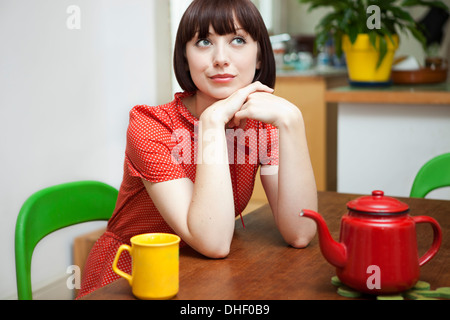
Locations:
column 333, row 251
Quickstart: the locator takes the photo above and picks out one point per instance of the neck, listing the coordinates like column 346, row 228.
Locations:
column 198, row 103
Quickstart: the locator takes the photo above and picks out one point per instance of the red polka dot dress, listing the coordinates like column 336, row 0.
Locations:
column 161, row 146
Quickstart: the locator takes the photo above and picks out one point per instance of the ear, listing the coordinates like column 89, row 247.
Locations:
column 258, row 57
column 258, row 65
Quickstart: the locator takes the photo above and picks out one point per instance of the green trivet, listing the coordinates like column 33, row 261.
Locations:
column 420, row 291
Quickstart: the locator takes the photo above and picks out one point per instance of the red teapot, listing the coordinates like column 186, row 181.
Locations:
column 377, row 252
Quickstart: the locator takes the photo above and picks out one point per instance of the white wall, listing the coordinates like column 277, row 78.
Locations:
column 64, row 102
column 383, row 146
column 177, row 9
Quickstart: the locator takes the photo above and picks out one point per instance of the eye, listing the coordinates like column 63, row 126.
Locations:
column 239, row 41
column 203, row 43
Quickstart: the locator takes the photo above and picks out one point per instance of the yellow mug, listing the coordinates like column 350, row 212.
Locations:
column 155, row 265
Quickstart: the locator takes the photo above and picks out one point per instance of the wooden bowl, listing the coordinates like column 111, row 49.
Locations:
column 421, row 76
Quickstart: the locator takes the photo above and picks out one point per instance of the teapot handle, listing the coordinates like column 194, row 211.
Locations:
column 437, row 238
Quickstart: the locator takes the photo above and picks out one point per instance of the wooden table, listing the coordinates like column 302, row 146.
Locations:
column 261, row 266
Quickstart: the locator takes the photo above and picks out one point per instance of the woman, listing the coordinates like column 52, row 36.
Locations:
column 224, row 61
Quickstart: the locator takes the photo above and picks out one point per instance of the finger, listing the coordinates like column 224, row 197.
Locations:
column 242, row 94
column 243, row 124
column 239, row 118
column 256, row 87
column 238, row 99
column 262, row 87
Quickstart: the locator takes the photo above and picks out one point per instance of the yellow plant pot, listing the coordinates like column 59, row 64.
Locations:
column 362, row 59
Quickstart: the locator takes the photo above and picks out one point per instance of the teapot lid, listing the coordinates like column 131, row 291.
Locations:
column 378, row 204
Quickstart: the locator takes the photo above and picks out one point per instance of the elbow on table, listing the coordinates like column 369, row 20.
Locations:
column 218, row 251
column 300, row 242
column 301, row 239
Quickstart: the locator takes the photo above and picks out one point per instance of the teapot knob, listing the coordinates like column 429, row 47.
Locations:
column 377, row 193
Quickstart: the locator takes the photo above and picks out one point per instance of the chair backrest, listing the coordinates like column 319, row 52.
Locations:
column 54, row 208
column 433, row 175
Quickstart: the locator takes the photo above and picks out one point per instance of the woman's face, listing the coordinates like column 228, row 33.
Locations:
column 220, row 65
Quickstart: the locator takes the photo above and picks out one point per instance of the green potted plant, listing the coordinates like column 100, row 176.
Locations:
column 367, row 31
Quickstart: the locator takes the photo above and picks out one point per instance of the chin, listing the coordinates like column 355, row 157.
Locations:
column 221, row 91
column 222, row 94
column 226, row 91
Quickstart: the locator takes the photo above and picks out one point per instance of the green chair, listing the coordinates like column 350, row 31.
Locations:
column 54, row 208
column 433, row 175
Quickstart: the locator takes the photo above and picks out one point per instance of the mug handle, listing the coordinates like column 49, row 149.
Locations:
column 116, row 260
column 437, row 238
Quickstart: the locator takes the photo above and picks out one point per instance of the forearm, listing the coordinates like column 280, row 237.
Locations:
column 296, row 183
column 210, row 218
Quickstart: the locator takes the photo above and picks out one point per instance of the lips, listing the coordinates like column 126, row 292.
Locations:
column 222, row 77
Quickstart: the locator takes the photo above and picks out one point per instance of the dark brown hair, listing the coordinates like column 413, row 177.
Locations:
column 220, row 14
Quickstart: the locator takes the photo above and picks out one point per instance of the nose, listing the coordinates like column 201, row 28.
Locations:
column 221, row 57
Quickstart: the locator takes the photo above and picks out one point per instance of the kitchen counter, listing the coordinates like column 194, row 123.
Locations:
column 433, row 94
column 385, row 135
column 314, row 72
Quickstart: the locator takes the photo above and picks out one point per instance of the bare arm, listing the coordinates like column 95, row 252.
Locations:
column 296, row 185
column 201, row 213
column 293, row 188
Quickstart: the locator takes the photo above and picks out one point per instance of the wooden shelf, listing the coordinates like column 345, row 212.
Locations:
column 438, row 94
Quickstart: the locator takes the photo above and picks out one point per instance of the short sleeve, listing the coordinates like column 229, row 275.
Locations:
column 150, row 142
